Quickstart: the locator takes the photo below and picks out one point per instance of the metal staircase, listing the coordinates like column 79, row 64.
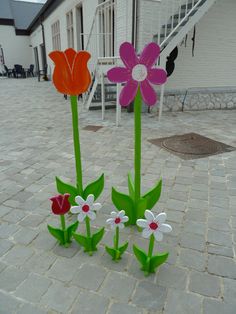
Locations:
column 176, row 18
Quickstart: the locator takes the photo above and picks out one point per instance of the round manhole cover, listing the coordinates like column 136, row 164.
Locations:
column 191, row 145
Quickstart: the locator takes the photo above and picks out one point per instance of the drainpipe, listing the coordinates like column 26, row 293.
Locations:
column 44, row 52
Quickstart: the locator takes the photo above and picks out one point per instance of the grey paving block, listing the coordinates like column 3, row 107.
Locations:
column 25, row 236
column 5, row 245
column 88, row 302
column 118, row 286
column 89, row 277
column 220, row 250
column 192, row 241
column 219, row 238
column 31, row 309
column 32, row 220
column 193, row 259
column 64, row 269
column 44, row 241
column 40, row 262
column 149, row 296
column 18, row 255
column 211, row 306
column 222, row 266
column 60, row 297
column 33, row 288
column 7, row 230
column 118, row 308
column 11, row 278
column 172, row 277
column 9, row 304
column 14, row 216
column 204, row 284
column 180, row 302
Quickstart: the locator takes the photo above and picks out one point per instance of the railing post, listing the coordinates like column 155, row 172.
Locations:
column 163, row 65
column 118, row 107
column 103, row 96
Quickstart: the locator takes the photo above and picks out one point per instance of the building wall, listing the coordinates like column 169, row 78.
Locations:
column 214, row 63
column 89, row 7
column 16, row 49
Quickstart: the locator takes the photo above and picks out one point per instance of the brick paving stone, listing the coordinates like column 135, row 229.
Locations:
column 118, row 286
column 32, row 220
column 44, row 241
column 89, row 277
column 60, row 297
column 172, row 277
column 7, row 230
column 220, row 250
column 5, row 245
column 14, row 216
column 192, row 241
column 4, row 210
column 229, row 290
column 25, row 236
column 211, row 306
column 222, row 266
column 180, row 302
column 89, row 302
column 18, row 255
column 204, row 284
column 33, row 288
column 39, row 262
column 219, row 238
column 192, row 259
column 11, row 277
column 217, row 223
column 64, row 269
column 9, row 304
column 149, row 296
column 118, row 308
column 194, row 227
column 30, row 309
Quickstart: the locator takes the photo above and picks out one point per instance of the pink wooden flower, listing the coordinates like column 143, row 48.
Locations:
column 138, row 71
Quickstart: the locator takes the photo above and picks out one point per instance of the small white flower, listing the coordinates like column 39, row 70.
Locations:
column 85, row 208
column 117, row 219
column 154, row 225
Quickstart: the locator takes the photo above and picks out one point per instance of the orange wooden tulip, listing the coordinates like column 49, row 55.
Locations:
column 71, row 75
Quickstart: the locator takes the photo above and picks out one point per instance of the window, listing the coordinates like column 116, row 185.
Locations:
column 70, row 29
column 56, row 38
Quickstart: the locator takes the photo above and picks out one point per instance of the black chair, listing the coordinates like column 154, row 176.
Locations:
column 19, row 71
column 9, row 72
column 30, row 71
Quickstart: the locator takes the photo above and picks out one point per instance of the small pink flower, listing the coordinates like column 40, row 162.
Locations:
column 137, row 72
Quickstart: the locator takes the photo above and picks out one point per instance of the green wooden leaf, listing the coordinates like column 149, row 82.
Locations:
column 111, row 251
column 157, row 260
column 123, row 247
column 124, row 202
column 153, row 195
column 97, row 237
column 63, row 188
column 82, row 240
column 140, row 255
column 94, row 188
column 72, row 228
column 57, row 233
column 141, row 207
column 131, row 186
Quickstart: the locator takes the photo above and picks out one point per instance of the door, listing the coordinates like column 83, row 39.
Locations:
column 36, row 58
column 79, row 27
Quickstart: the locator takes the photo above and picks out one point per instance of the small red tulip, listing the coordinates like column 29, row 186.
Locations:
column 60, row 204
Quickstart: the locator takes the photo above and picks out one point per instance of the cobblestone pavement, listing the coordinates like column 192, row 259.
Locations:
column 38, row 276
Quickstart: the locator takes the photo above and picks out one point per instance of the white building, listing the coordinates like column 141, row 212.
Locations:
column 205, row 80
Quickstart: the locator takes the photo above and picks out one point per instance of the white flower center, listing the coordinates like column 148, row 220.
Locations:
column 139, row 72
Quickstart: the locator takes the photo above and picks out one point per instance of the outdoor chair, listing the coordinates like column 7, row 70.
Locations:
column 19, row 71
column 30, row 71
column 9, row 72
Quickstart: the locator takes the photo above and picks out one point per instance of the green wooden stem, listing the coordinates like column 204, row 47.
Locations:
column 137, row 145
column 117, row 239
column 75, row 123
column 151, row 246
column 88, row 227
column 63, row 226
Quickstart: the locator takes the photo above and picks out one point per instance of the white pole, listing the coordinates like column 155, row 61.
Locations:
column 103, row 96
column 161, row 101
column 118, row 107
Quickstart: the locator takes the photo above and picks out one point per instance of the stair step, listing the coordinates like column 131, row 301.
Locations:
column 99, row 107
